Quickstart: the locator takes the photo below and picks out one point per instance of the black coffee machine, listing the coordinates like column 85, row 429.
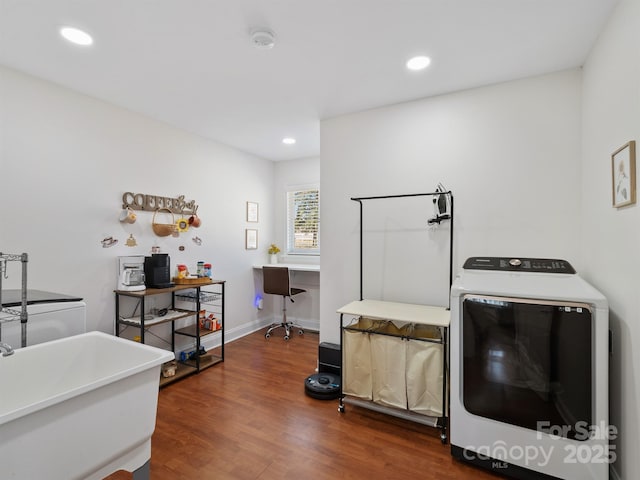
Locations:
column 157, row 271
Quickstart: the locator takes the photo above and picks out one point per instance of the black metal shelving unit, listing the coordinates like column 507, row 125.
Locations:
column 192, row 293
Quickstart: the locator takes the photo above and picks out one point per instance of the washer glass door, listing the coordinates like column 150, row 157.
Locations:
column 528, row 363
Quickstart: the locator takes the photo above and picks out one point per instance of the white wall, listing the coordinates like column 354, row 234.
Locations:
column 610, row 237
column 66, row 161
column 510, row 153
column 289, row 175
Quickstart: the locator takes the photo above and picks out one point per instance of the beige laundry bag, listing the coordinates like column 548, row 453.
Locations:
column 388, row 364
column 356, row 360
column 424, row 372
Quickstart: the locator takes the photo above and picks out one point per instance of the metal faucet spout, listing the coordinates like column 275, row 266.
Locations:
column 6, row 349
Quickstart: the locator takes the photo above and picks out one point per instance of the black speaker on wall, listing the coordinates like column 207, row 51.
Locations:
column 329, row 358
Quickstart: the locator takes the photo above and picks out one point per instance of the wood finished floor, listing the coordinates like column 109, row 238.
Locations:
column 249, row 418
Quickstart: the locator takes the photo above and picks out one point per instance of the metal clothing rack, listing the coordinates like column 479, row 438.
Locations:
column 448, row 193
column 10, row 314
column 420, row 313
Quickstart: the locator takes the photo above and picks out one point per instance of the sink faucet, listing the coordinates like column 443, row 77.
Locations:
column 6, row 349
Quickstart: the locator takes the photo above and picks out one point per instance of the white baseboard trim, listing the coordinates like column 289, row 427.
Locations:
column 311, row 325
column 212, row 341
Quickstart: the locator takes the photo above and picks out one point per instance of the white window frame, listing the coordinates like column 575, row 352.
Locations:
column 290, row 249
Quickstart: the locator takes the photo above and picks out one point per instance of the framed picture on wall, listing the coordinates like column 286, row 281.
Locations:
column 252, row 212
column 251, row 239
column 623, row 175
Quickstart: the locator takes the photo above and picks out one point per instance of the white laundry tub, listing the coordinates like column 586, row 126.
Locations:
column 81, row 407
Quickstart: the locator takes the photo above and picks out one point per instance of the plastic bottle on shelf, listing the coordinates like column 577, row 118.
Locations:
column 182, row 271
column 200, row 269
column 207, row 270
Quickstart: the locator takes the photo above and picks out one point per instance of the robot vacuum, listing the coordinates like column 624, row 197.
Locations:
column 322, row 386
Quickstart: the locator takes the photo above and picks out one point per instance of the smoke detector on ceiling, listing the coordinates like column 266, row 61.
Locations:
column 263, row 38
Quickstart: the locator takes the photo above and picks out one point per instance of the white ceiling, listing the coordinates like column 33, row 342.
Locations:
column 191, row 63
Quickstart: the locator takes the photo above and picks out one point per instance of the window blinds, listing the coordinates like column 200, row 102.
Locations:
column 303, row 221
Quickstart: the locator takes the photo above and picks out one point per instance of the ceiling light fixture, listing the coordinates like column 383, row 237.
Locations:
column 77, row 36
column 263, row 38
column 288, row 141
column 418, row 63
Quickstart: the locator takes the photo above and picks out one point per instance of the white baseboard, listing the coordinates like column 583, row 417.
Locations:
column 212, row 341
column 311, row 325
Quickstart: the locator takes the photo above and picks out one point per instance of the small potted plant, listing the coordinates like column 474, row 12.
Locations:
column 273, row 252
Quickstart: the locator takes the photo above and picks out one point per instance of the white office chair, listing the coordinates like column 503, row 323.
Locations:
column 276, row 282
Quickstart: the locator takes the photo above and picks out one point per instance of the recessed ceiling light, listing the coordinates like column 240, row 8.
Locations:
column 288, row 141
column 418, row 63
column 76, row 36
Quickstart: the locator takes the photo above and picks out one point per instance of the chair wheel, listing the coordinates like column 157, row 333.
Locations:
column 286, row 337
column 267, row 335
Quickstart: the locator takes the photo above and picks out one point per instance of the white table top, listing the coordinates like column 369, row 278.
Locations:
column 298, row 267
column 404, row 312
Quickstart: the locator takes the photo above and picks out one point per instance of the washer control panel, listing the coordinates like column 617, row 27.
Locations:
column 512, row 264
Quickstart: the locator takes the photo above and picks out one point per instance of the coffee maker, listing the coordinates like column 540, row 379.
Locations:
column 157, row 271
column 131, row 277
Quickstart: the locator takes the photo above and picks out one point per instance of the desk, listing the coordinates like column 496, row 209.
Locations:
column 306, row 276
column 294, row 267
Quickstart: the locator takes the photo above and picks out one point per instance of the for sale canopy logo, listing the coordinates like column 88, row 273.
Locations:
column 540, row 454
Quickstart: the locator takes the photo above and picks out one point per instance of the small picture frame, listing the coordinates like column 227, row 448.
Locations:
column 251, row 239
column 252, row 212
column 623, row 175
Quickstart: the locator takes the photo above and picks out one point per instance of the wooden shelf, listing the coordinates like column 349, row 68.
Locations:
column 190, row 331
column 158, row 291
column 194, row 282
column 169, row 317
column 182, row 370
column 189, row 367
column 207, row 360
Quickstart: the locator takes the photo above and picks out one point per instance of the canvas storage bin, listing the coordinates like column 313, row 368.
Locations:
column 425, row 371
column 424, row 377
column 356, row 360
column 388, row 365
column 392, row 364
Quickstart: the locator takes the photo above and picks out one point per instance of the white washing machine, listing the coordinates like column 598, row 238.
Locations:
column 50, row 316
column 529, row 370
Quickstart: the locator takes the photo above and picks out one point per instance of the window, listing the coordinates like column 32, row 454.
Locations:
column 303, row 221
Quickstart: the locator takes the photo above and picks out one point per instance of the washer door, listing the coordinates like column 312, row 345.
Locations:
column 528, row 363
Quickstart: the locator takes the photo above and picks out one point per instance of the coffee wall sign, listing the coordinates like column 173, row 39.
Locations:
column 142, row 201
